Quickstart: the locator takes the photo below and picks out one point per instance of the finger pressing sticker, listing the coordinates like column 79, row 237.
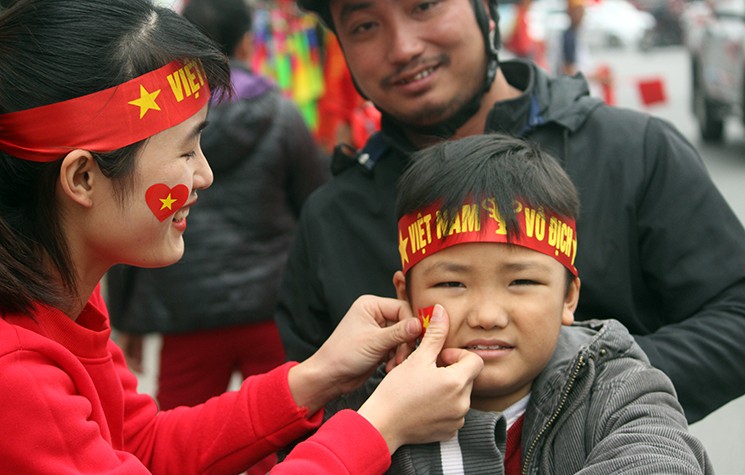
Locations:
column 425, row 315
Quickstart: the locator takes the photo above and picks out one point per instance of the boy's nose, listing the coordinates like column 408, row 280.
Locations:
column 488, row 312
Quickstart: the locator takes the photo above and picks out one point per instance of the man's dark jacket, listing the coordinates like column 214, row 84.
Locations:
column 659, row 248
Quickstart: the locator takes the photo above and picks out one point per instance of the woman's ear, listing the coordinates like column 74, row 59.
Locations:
column 399, row 282
column 570, row 302
column 78, row 176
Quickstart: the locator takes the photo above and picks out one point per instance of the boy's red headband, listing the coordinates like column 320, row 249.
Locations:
column 110, row 119
column 423, row 233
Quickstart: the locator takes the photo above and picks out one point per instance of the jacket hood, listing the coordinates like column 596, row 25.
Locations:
column 239, row 123
column 566, row 100
column 563, row 100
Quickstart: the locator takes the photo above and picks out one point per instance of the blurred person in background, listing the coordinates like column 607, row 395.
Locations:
column 571, row 55
column 521, row 40
column 344, row 116
column 215, row 307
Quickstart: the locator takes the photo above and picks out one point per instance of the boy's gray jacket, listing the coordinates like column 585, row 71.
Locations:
column 597, row 408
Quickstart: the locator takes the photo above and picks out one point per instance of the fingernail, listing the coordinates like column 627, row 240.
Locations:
column 412, row 327
column 438, row 314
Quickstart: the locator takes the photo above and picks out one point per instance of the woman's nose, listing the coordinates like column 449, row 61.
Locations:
column 203, row 176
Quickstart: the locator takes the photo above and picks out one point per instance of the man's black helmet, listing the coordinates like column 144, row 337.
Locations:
column 492, row 43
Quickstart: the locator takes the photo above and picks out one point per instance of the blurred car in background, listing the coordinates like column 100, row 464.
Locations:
column 717, row 49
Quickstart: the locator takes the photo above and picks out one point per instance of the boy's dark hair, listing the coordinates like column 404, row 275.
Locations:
column 486, row 166
column 51, row 51
column 225, row 21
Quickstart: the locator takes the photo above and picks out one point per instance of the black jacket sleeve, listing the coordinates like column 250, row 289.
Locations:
column 692, row 249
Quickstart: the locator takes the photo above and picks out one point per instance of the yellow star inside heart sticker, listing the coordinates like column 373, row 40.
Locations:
column 146, row 101
column 167, row 202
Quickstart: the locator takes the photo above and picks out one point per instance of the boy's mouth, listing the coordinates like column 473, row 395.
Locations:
column 487, row 347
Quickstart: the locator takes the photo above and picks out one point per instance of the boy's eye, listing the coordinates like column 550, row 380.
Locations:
column 524, row 282
column 189, row 155
column 449, row 284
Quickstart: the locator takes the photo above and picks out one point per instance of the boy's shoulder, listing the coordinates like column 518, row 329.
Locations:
column 596, row 338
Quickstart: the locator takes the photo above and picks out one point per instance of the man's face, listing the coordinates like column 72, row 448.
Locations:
column 418, row 60
column 506, row 303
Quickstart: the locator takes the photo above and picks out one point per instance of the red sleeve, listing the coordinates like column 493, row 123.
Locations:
column 226, row 434
column 48, row 424
column 345, row 444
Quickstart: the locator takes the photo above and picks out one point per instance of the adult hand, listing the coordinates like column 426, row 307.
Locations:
column 372, row 328
column 420, row 402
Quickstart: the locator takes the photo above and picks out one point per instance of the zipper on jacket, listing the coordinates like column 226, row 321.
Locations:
column 555, row 415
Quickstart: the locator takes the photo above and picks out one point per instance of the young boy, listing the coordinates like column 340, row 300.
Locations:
column 487, row 232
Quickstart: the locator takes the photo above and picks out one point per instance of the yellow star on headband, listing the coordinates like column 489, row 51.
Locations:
column 402, row 242
column 167, row 202
column 146, row 101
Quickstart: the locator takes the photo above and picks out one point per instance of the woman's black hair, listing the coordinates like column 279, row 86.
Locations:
column 51, row 51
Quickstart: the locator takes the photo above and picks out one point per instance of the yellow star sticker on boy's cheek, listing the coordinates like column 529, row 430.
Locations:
column 146, row 101
column 402, row 242
column 167, row 202
column 425, row 321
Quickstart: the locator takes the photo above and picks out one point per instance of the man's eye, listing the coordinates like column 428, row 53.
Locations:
column 362, row 28
column 424, row 6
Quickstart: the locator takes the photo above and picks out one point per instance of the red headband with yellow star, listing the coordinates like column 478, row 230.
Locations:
column 424, row 232
column 110, row 119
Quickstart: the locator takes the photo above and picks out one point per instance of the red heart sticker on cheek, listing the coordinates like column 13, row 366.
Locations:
column 163, row 200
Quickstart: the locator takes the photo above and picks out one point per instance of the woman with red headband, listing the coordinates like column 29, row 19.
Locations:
column 101, row 108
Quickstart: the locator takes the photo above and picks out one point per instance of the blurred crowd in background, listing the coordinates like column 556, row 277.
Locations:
column 304, row 59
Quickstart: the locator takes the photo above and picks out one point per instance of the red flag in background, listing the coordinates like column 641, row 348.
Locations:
column 652, row 91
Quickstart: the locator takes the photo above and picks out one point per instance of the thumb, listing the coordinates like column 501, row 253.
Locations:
column 436, row 334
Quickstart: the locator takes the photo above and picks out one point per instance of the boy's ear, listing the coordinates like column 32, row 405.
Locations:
column 77, row 176
column 399, row 281
column 570, row 302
